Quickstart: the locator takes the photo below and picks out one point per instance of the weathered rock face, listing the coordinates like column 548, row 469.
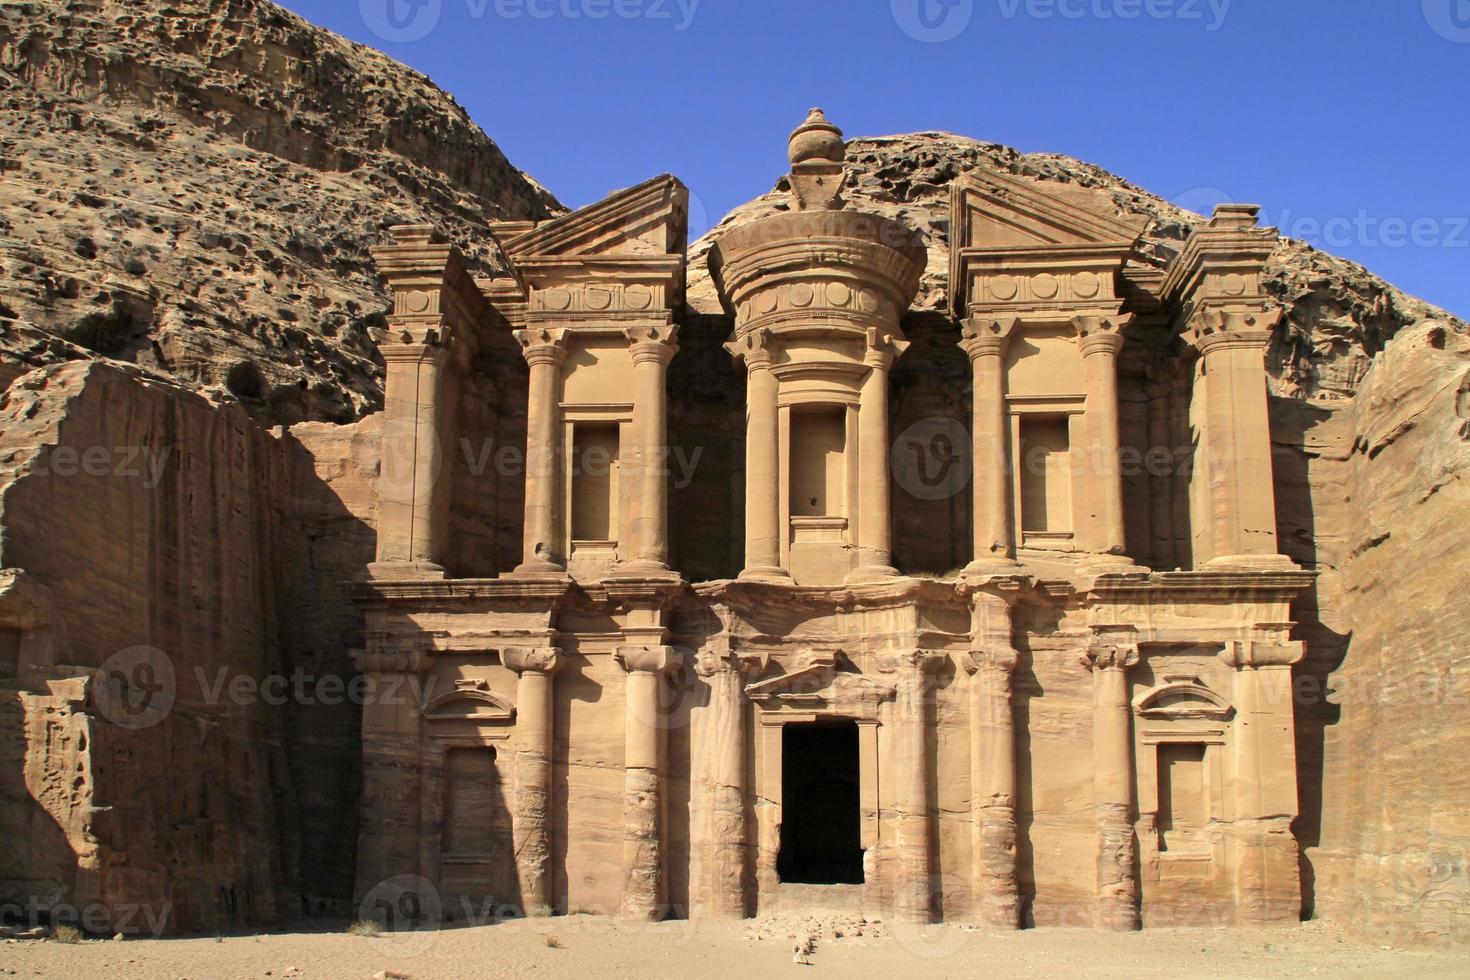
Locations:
column 1375, row 497
column 179, row 632
column 194, row 187
column 194, row 190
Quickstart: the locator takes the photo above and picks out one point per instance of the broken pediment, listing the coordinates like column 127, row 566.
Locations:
column 623, row 257
column 1182, row 698
column 470, row 701
column 1007, row 229
column 827, row 684
column 647, row 220
column 990, row 210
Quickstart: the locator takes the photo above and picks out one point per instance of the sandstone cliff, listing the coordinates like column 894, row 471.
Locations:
column 193, row 187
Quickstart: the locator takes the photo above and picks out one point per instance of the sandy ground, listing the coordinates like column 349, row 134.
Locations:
column 587, row 946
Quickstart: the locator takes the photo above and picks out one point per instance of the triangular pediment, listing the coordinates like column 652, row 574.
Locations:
column 649, row 220
column 995, row 211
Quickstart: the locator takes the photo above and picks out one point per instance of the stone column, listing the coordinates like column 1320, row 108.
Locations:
column 985, row 340
column 1112, row 782
column 412, row 507
column 723, row 737
column 763, row 530
column 643, row 872
column 652, row 349
column 534, row 753
column 541, row 543
column 874, row 531
column 993, row 737
column 913, row 884
column 1237, row 457
column 1100, row 338
column 1267, row 873
column 991, row 664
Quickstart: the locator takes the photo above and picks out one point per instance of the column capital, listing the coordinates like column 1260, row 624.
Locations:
column 1100, row 332
column 988, row 336
column 1258, row 653
column 883, row 348
column 412, row 338
column 905, row 660
column 994, row 658
column 536, row 660
column 661, row 660
column 1111, row 649
column 1214, row 329
column 653, row 344
column 542, row 345
column 723, row 657
column 757, row 349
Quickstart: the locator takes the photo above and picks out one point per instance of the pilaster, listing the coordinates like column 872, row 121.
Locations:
column 543, row 349
column 535, row 668
column 436, row 311
column 985, row 340
column 652, row 349
column 1110, row 655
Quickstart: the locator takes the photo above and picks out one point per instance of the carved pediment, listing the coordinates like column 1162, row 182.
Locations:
column 623, row 257
column 828, row 684
column 647, row 220
column 997, row 211
column 1181, row 699
column 471, row 701
column 1042, row 243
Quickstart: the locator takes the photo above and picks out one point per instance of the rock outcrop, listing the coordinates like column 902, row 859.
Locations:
column 1339, row 316
column 193, row 187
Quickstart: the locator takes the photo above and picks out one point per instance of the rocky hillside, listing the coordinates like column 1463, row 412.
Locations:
column 193, row 186
column 1339, row 315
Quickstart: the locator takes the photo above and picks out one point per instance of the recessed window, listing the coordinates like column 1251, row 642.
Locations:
column 818, row 476
column 594, row 481
column 1046, row 475
column 1183, row 801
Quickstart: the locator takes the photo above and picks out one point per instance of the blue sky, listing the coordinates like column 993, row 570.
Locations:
column 1345, row 119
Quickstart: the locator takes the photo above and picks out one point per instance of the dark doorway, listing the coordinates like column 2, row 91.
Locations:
column 821, row 819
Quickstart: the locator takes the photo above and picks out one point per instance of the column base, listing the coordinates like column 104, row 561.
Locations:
column 539, row 569
column 1090, row 568
column 765, row 573
column 404, row 571
column 871, row 573
column 1251, row 563
column 991, row 565
column 640, row 568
